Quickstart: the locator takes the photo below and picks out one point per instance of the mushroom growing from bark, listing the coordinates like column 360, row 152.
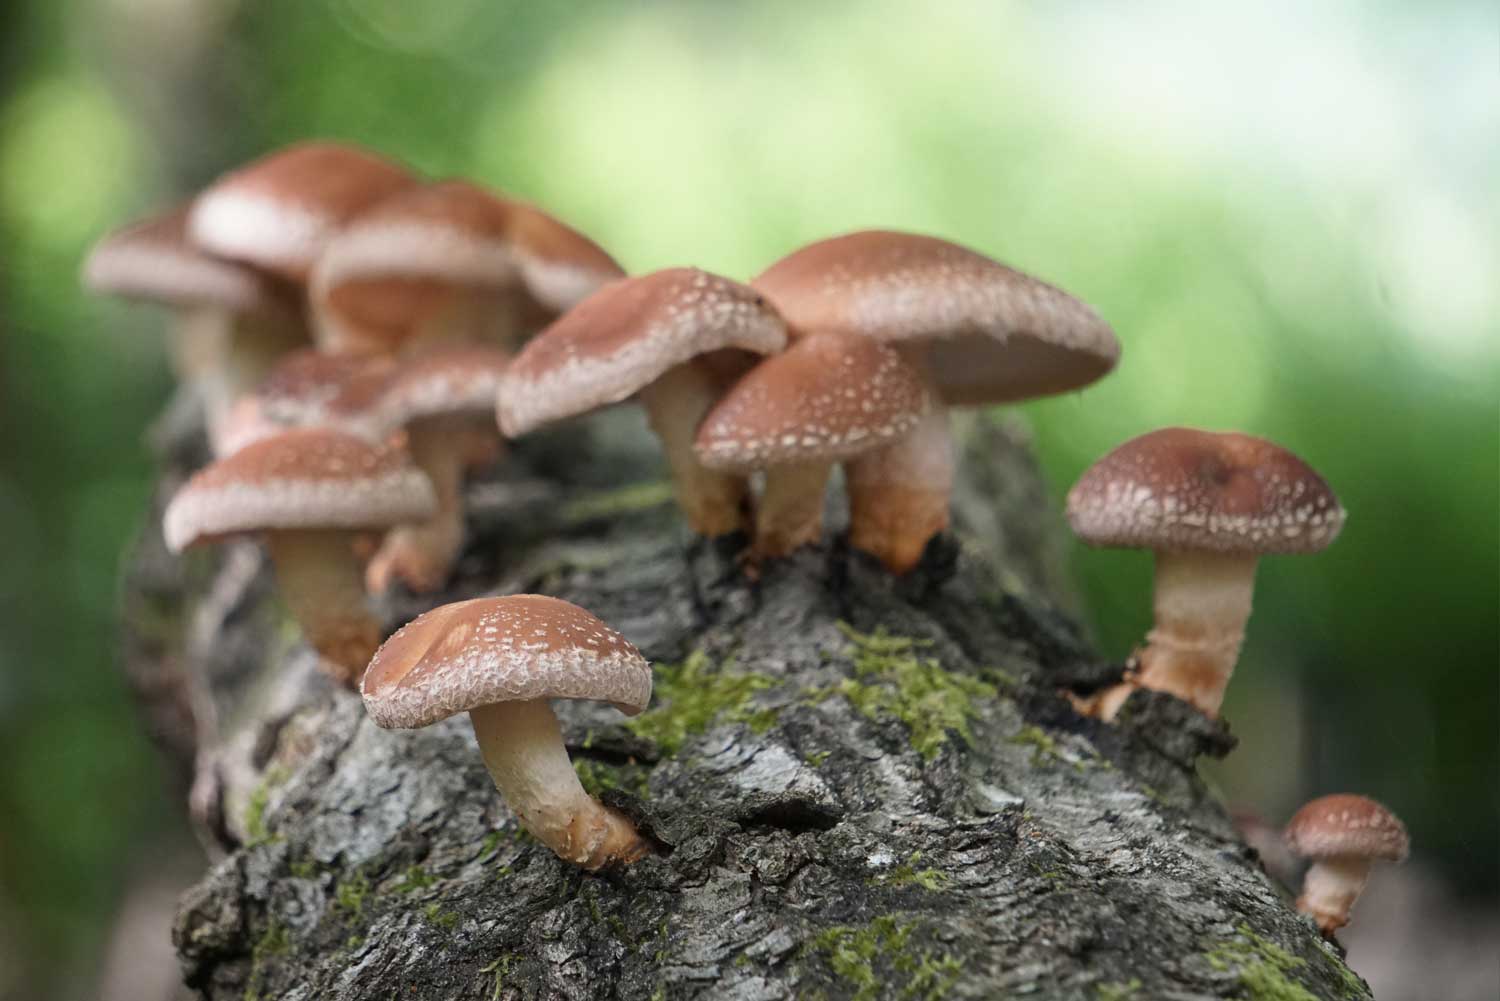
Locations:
column 501, row 660
column 308, row 492
column 445, row 399
column 280, row 211
column 828, row 398
column 1342, row 835
column 674, row 338
column 1209, row 505
column 978, row 332
column 232, row 323
column 448, row 261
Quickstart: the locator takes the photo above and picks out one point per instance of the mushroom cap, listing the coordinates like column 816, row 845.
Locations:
column 986, row 332
column 279, row 212
column 829, row 396
column 1181, row 489
column 153, row 260
column 625, row 336
column 559, row 265
column 443, row 379
column 1347, row 825
column 308, row 386
column 306, row 478
column 475, row 653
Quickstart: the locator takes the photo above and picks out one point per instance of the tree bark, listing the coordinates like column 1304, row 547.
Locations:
column 862, row 787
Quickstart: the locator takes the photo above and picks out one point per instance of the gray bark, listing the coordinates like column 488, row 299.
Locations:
column 862, row 787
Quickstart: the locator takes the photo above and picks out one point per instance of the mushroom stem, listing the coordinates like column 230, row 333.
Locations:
column 523, row 749
column 319, row 578
column 421, row 555
column 1330, row 888
column 712, row 502
column 790, row 513
column 226, row 355
column 899, row 494
column 1202, row 603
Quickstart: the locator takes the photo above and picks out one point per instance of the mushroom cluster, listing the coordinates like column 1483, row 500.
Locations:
column 361, row 339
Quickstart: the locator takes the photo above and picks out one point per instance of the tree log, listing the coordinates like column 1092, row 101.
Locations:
column 862, row 787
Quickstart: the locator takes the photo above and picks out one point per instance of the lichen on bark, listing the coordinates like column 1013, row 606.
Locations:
column 862, row 787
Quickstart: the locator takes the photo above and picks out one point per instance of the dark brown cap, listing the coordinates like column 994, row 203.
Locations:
column 1347, row 825
column 1185, row 489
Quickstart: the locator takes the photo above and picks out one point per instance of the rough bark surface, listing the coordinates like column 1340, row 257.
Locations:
column 862, row 787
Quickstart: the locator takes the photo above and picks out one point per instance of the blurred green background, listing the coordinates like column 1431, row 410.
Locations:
column 1287, row 211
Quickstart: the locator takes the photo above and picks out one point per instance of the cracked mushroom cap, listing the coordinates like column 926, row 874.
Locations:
column 827, row 397
column 444, row 379
column 987, row 333
column 309, row 478
column 1183, row 489
column 153, row 260
column 280, row 211
column 625, row 336
column 1347, row 825
column 476, row 653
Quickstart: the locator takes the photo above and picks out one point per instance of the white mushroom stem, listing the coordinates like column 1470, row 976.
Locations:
column 790, row 512
column 523, row 749
column 899, row 494
column 319, row 578
column 1202, row 603
column 226, row 354
column 1330, row 888
column 421, row 555
column 712, row 502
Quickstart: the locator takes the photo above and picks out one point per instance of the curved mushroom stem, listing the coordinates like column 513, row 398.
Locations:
column 319, row 578
column 712, row 502
column 1329, row 891
column 899, row 494
column 790, row 512
column 421, row 556
column 1202, row 604
column 523, row 749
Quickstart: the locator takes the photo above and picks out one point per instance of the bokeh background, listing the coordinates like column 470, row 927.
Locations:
column 1287, row 210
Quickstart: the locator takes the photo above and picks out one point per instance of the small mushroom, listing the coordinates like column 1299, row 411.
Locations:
column 502, row 660
column 279, row 212
column 445, row 399
column 309, row 492
column 1342, row 835
column 446, row 261
column 668, row 337
column 978, row 333
column 1209, row 505
column 827, row 398
column 232, row 322
column 308, row 388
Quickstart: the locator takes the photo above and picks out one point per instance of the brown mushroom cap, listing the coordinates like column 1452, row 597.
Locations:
column 278, row 212
column 444, row 379
column 625, row 336
column 311, row 387
column 830, row 396
column 1184, row 489
column 1347, row 825
column 988, row 333
column 153, row 260
column 305, row 478
column 475, row 653
column 559, row 265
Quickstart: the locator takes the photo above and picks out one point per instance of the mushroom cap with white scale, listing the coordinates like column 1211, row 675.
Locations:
column 1209, row 505
column 501, row 660
column 1342, row 835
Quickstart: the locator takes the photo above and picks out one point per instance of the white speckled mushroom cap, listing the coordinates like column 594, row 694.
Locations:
column 279, row 212
column 307, row 478
column 1182, row 489
column 153, row 260
column 443, row 379
column 308, row 386
column 1347, row 825
column 475, row 653
column 827, row 397
column 986, row 332
column 623, row 337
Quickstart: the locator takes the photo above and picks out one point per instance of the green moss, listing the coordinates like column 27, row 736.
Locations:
column 500, row 967
column 350, row 895
column 415, row 878
column 255, row 810
column 817, row 758
column 304, row 868
column 892, row 680
column 612, row 503
column 437, row 916
column 694, row 694
column 1118, row 991
column 1262, row 968
column 272, row 942
column 907, row 874
column 853, row 953
column 596, row 777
